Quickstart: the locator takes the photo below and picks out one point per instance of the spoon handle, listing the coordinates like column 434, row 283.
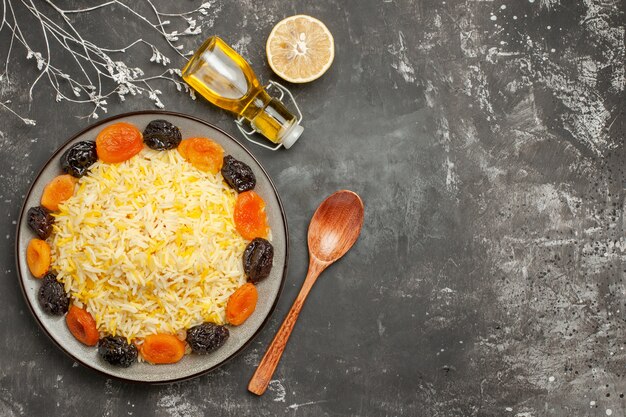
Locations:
column 265, row 370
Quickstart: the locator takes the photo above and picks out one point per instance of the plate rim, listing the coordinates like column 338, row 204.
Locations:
column 23, row 210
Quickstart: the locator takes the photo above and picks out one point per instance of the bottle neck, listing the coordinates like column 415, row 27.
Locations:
column 269, row 117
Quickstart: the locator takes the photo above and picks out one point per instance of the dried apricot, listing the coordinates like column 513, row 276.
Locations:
column 241, row 304
column 38, row 257
column 249, row 216
column 162, row 348
column 203, row 154
column 82, row 326
column 118, row 142
column 57, row 191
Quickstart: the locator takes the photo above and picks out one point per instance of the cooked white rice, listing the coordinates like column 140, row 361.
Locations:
column 149, row 245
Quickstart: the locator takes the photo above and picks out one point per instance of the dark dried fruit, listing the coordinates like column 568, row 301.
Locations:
column 238, row 175
column 117, row 351
column 161, row 135
column 257, row 259
column 77, row 159
column 206, row 337
column 40, row 221
column 52, row 297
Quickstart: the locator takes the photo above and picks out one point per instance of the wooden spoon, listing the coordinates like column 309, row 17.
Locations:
column 334, row 228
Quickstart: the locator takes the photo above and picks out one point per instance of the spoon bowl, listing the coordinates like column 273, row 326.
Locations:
column 334, row 228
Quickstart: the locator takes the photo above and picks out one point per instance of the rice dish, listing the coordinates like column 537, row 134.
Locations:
column 149, row 245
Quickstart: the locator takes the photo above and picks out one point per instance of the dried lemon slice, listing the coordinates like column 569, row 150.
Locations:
column 300, row 49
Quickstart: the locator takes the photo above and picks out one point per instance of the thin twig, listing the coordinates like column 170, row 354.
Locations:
column 97, row 66
column 26, row 121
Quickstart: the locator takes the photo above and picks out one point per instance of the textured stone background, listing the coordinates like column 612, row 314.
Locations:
column 487, row 141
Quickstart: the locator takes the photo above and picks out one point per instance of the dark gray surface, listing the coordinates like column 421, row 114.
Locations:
column 489, row 277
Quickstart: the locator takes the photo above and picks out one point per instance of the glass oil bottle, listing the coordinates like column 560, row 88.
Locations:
column 225, row 79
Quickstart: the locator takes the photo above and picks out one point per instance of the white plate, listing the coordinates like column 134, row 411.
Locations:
column 191, row 365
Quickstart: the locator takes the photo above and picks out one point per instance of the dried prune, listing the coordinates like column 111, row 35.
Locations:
column 257, row 259
column 161, row 135
column 52, row 297
column 40, row 221
column 238, row 175
column 117, row 351
column 77, row 159
column 206, row 337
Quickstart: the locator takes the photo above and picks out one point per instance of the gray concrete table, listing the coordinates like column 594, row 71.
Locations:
column 487, row 141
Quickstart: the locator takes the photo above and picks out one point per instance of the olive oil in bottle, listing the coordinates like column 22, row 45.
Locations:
column 225, row 79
